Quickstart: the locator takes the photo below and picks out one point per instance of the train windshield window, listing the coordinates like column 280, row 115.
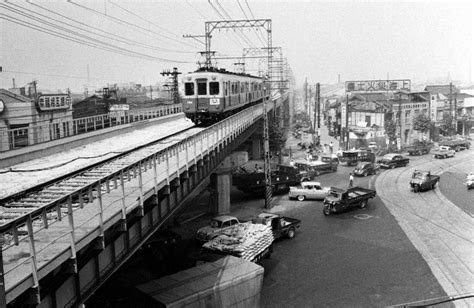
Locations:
column 188, row 88
column 202, row 88
column 213, row 88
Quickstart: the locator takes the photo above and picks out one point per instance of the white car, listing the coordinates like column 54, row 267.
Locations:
column 470, row 180
column 308, row 190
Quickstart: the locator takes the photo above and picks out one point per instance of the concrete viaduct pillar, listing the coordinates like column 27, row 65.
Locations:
column 222, row 182
column 256, row 147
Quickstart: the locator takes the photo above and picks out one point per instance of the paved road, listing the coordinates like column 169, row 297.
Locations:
column 440, row 230
column 361, row 258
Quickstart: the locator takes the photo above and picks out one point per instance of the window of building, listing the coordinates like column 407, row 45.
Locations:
column 213, row 88
column 189, row 88
column 407, row 114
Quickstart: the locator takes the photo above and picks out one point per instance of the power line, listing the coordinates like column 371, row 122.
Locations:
column 99, row 45
column 241, row 35
column 251, row 13
column 111, row 35
column 121, row 21
column 141, row 18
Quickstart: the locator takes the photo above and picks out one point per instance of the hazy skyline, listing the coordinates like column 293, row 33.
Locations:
column 321, row 39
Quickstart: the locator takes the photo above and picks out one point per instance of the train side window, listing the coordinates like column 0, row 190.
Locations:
column 189, row 88
column 202, row 88
column 213, row 88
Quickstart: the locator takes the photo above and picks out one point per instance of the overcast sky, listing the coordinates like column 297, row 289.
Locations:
column 359, row 40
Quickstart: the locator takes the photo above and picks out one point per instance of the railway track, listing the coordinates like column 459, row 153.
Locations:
column 33, row 199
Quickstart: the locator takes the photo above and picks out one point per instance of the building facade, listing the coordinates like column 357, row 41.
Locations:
column 30, row 120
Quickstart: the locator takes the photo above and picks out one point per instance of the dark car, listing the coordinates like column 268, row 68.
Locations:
column 365, row 169
column 393, row 160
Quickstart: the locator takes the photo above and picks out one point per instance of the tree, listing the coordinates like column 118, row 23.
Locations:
column 422, row 123
column 447, row 125
column 391, row 130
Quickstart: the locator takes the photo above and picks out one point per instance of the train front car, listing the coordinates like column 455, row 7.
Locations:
column 203, row 97
column 210, row 96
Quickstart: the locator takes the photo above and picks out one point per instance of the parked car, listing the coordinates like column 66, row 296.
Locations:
column 423, row 180
column 470, row 180
column 393, row 160
column 365, row 169
column 216, row 226
column 308, row 190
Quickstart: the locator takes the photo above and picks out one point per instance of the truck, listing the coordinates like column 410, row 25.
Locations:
column 340, row 199
column 253, row 181
column 310, row 169
column 308, row 190
column 248, row 241
column 226, row 282
column 444, row 152
column 352, row 157
column 393, row 160
column 456, row 144
column 419, row 149
column 423, row 180
column 281, row 226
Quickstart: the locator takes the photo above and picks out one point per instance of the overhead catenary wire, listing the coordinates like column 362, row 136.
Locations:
column 253, row 17
column 246, row 17
column 121, row 21
column 80, row 38
column 241, row 34
column 141, row 18
column 110, row 35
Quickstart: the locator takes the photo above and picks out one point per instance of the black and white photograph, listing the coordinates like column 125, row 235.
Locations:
column 236, row 153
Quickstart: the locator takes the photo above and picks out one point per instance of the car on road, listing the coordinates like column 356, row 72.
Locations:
column 308, row 190
column 423, row 180
column 444, row 152
column 393, row 160
column 365, row 169
column 216, row 226
column 470, row 180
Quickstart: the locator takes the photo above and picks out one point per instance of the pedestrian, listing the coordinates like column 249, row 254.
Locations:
column 351, row 179
column 331, row 145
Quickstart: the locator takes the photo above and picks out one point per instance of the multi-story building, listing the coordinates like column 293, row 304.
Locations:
column 448, row 99
column 368, row 112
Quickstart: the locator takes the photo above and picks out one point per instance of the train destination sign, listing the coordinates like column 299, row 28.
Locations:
column 378, row 85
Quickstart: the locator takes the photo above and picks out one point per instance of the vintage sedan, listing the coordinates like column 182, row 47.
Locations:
column 393, row 160
column 365, row 169
column 308, row 190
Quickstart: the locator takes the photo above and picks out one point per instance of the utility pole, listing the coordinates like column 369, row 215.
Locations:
column 318, row 106
column 450, row 104
column 347, row 123
column 455, row 112
column 174, row 83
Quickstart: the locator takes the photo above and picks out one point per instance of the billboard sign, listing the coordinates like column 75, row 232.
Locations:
column 378, row 85
column 120, row 107
column 51, row 102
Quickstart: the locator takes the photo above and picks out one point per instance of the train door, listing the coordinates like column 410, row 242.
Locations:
column 201, row 85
